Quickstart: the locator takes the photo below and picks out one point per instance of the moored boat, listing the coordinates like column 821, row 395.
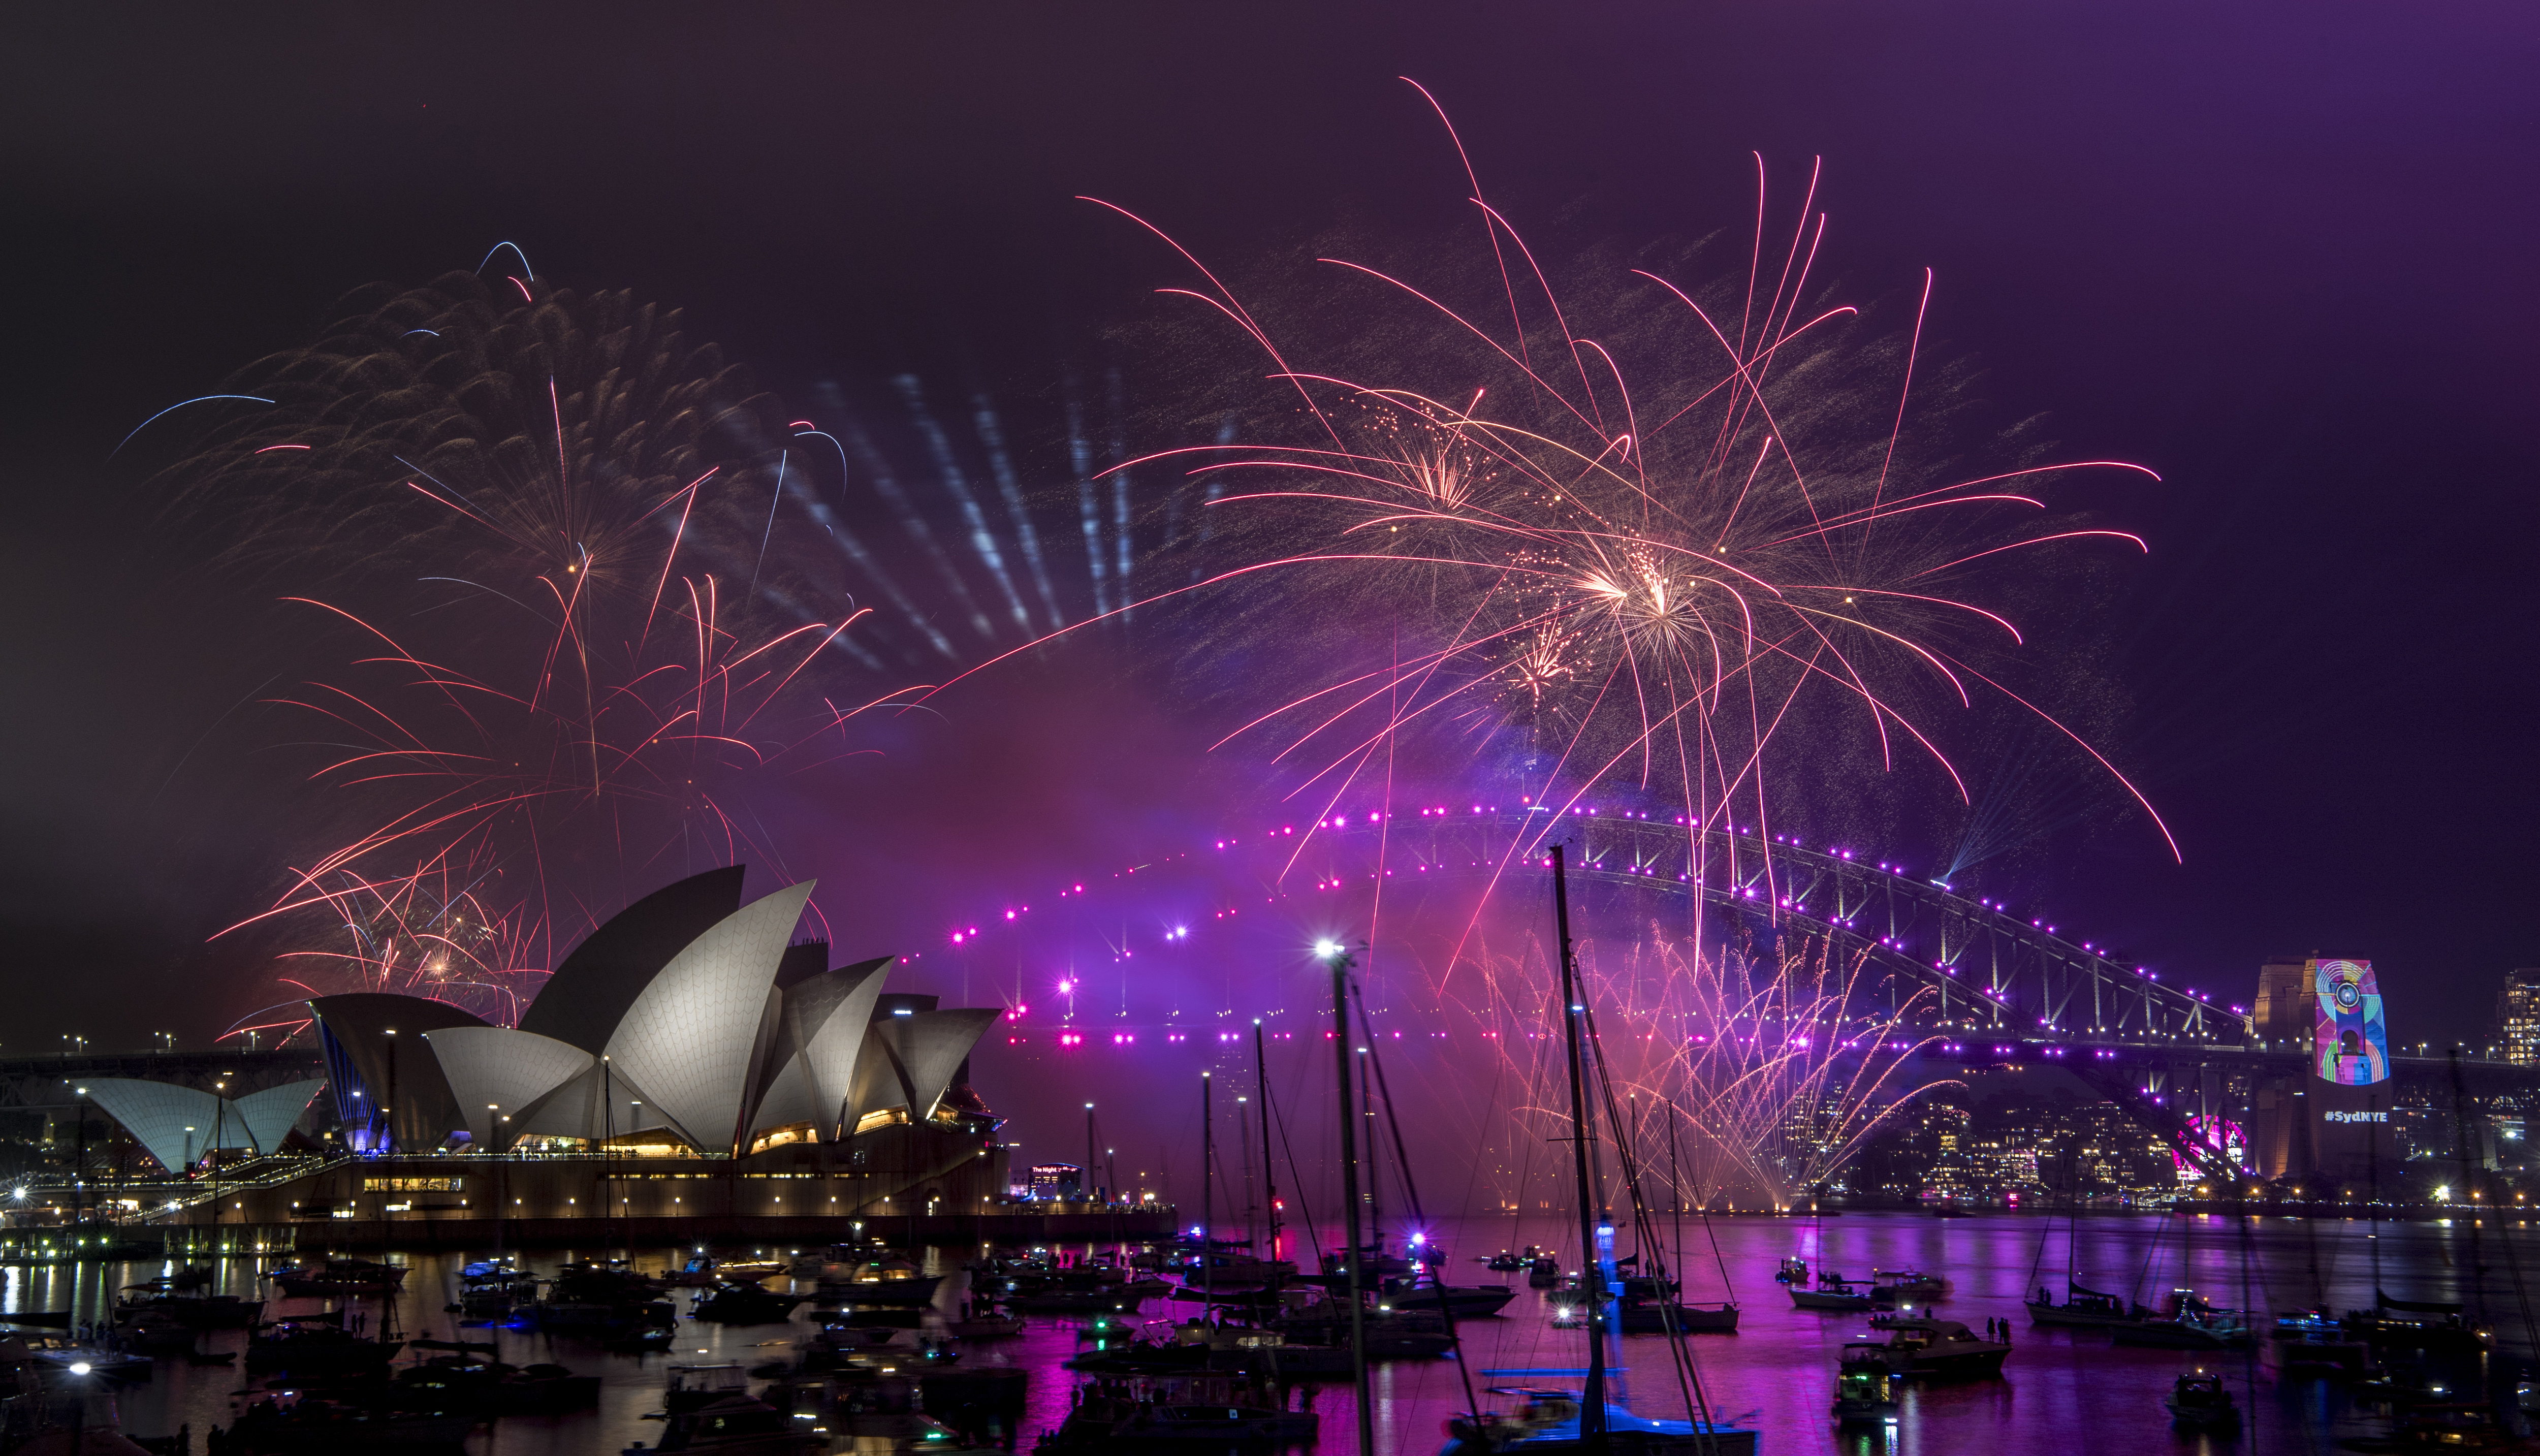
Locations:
column 1546, row 1423
column 1865, row 1383
column 2201, row 1401
column 2192, row 1324
column 1941, row 1350
column 1907, row 1283
column 1173, row 1415
column 2084, row 1309
column 338, row 1277
column 735, row 1425
column 1834, row 1295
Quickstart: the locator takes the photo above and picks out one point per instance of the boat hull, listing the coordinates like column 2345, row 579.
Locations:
column 1619, row 1443
column 2060, row 1317
column 1825, row 1303
column 2162, row 1335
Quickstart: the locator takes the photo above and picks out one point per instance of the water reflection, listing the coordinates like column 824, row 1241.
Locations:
column 2062, row 1391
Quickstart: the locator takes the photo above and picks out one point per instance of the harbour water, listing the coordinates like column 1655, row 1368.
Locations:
column 2062, row 1391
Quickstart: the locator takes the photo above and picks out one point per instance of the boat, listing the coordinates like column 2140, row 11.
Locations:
column 1546, row 1423
column 1174, row 1414
column 2192, row 1324
column 1505, row 1262
column 1372, row 1262
column 1834, row 1295
column 483, row 1387
column 157, row 1332
column 1594, row 1416
column 1864, row 1384
column 1794, row 1271
column 745, row 1304
column 338, row 1277
column 1545, row 1273
column 2084, row 1309
column 695, row 1387
column 488, row 1289
column 1230, row 1261
column 1901, row 1285
column 196, row 1311
column 1941, row 1350
column 319, row 1427
column 61, row 1358
column 2200, row 1401
column 889, row 1281
column 1657, row 1317
column 2313, row 1343
column 984, row 1325
column 308, row 1344
column 735, row 1425
column 1071, row 1302
column 2417, row 1324
column 1463, row 1302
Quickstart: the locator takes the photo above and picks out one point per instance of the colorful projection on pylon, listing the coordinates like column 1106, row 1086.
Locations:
column 2350, row 1045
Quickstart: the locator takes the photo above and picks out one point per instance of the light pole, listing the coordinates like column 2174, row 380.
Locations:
column 389, row 1112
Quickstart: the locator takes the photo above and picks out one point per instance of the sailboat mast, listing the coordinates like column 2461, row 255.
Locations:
column 1252, row 1218
column 1269, row 1179
column 1340, row 964
column 1375, row 1153
column 1207, row 1191
column 1591, row 1405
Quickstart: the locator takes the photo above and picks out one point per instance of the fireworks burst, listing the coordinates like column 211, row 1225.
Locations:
column 1657, row 555
column 544, row 530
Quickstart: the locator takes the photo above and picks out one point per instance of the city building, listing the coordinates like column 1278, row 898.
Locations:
column 2518, row 1012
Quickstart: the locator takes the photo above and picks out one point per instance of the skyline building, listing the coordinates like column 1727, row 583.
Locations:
column 2518, row 1015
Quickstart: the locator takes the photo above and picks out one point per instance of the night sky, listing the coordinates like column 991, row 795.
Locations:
column 2281, row 254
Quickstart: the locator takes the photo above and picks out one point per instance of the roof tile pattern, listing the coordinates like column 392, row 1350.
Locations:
column 175, row 1123
column 690, row 1033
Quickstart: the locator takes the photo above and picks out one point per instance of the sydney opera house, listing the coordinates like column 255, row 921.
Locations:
column 689, row 1060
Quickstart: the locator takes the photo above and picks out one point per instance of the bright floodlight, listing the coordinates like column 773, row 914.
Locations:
column 1326, row 950
column 79, row 1368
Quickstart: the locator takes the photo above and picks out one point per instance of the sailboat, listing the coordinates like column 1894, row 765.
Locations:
column 1551, row 1415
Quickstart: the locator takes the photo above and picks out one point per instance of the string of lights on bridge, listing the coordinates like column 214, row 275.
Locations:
column 968, row 935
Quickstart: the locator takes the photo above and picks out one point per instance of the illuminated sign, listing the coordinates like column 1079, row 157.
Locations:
column 2348, row 1042
column 2355, row 1117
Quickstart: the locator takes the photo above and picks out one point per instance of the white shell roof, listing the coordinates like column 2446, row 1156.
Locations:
column 909, row 1061
column 930, row 1046
column 820, row 1035
column 175, row 1123
column 690, row 1038
column 497, row 1073
column 270, row 1114
column 575, row 1109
